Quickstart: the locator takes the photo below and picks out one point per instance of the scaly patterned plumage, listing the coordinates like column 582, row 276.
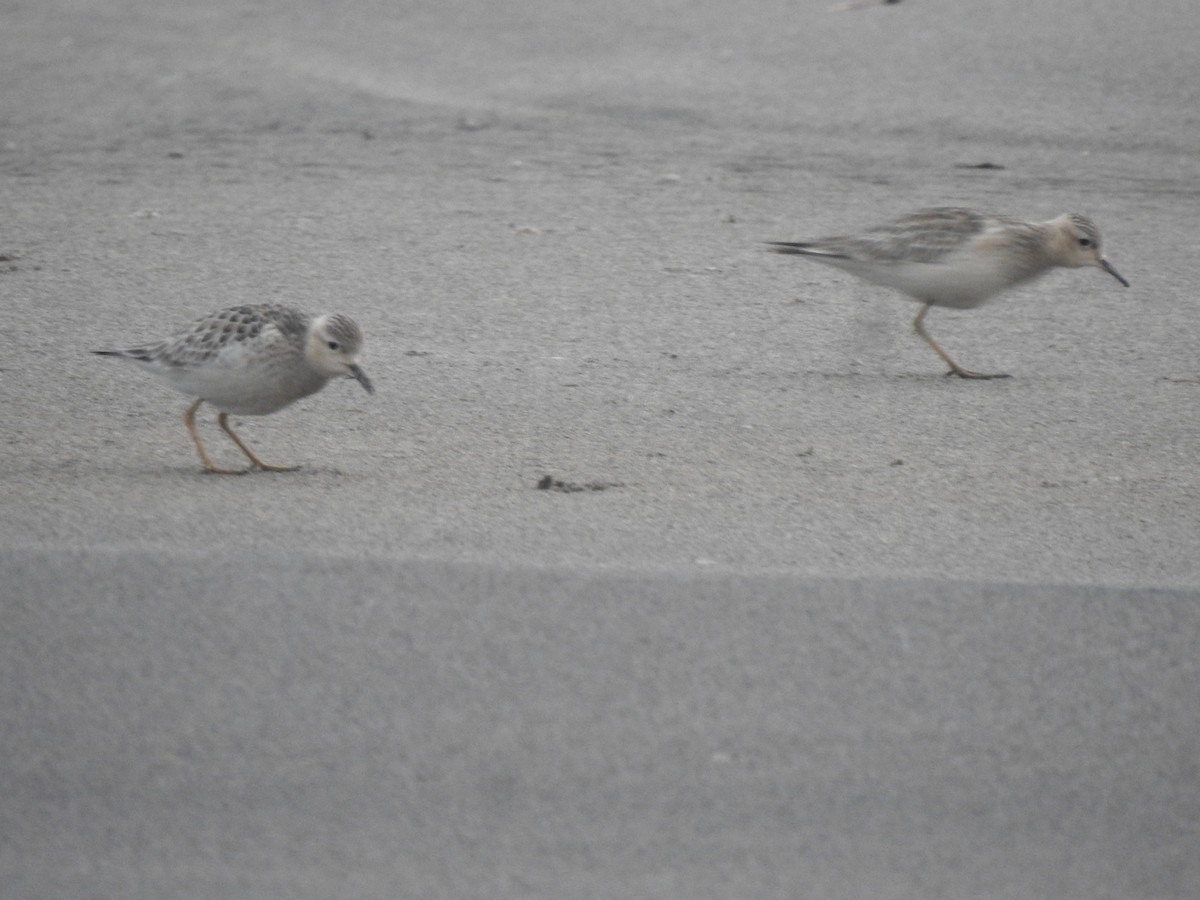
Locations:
column 252, row 360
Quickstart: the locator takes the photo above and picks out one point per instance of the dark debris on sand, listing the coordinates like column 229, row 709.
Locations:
column 550, row 483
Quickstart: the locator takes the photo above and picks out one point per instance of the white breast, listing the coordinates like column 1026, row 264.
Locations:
column 961, row 280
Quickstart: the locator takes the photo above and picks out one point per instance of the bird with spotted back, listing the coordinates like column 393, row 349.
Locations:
column 958, row 258
column 252, row 360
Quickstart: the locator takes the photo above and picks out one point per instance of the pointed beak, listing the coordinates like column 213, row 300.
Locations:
column 361, row 377
column 1108, row 267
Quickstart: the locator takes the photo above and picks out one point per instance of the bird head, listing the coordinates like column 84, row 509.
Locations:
column 1076, row 243
column 333, row 346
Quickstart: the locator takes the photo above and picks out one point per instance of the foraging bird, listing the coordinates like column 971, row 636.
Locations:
column 947, row 256
column 252, row 360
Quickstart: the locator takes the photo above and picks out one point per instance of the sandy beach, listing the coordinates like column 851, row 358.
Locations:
column 658, row 565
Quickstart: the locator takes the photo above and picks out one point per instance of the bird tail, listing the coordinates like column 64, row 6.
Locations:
column 138, row 354
column 803, row 249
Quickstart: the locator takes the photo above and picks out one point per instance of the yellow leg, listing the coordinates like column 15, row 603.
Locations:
column 223, row 421
column 955, row 368
column 189, row 422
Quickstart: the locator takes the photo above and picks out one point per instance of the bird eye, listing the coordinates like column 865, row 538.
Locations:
column 1085, row 242
column 332, row 345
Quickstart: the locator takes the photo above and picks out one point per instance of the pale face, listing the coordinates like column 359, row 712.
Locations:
column 1077, row 244
column 333, row 347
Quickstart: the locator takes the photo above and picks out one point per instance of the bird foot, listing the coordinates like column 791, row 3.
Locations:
column 267, row 467
column 978, row 376
column 217, row 470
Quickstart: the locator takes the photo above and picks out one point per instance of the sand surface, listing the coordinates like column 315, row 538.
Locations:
column 817, row 621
